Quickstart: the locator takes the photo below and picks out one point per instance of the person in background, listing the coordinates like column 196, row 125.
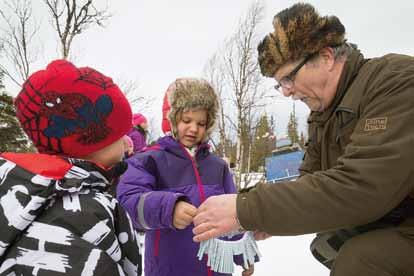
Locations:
column 165, row 183
column 356, row 188
column 138, row 133
column 56, row 216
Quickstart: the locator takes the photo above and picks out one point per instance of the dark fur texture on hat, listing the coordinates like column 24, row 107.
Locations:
column 187, row 94
column 298, row 32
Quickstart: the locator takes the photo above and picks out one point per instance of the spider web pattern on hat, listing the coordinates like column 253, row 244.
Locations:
column 72, row 111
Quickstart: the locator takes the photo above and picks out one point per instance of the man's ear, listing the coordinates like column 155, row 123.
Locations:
column 327, row 57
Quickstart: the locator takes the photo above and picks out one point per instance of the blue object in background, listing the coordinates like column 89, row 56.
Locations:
column 283, row 166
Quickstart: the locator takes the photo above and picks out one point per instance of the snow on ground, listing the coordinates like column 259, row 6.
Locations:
column 286, row 256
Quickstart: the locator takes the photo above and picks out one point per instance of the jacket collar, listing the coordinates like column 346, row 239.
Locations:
column 351, row 68
column 87, row 174
column 173, row 146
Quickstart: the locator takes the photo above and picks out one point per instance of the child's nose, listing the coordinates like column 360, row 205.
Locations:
column 193, row 127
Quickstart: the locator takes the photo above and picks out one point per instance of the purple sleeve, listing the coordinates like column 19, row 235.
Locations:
column 148, row 208
column 228, row 182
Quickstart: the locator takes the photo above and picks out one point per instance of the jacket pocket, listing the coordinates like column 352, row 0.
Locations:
column 346, row 122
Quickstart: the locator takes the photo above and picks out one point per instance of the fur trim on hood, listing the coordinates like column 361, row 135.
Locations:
column 187, row 94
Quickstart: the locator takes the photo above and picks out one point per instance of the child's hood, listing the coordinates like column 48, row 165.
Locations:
column 171, row 145
column 188, row 94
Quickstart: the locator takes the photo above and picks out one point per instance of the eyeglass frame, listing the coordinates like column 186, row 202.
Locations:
column 292, row 75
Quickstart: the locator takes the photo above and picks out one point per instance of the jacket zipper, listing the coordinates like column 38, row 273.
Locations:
column 200, row 191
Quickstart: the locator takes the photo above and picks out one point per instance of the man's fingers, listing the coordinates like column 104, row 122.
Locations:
column 202, row 207
column 205, row 236
column 204, row 227
column 200, row 218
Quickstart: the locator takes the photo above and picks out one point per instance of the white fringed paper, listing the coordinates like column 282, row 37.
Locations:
column 220, row 252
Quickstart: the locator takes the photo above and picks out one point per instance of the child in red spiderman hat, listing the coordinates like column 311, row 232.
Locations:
column 56, row 214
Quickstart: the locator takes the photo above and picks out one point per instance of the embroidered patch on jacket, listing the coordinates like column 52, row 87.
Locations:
column 376, row 124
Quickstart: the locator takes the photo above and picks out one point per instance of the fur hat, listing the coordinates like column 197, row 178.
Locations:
column 72, row 111
column 138, row 119
column 298, row 31
column 187, row 94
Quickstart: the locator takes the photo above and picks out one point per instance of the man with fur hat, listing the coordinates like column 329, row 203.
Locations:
column 357, row 179
column 166, row 182
column 56, row 215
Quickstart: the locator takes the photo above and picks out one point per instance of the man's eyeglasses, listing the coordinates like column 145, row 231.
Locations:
column 287, row 81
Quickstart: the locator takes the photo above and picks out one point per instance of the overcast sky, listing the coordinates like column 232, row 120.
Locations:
column 154, row 42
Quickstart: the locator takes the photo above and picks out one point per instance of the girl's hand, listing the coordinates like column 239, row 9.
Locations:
column 184, row 213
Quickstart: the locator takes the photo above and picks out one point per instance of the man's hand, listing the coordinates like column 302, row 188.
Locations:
column 184, row 213
column 215, row 217
column 249, row 271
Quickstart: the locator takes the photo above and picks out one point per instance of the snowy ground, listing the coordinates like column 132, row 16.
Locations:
column 286, row 256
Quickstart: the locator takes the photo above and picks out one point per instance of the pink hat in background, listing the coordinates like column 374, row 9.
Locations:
column 138, row 119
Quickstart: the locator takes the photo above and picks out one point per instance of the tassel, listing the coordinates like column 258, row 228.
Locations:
column 220, row 253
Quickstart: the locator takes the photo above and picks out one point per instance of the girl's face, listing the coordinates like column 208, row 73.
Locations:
column 191, row 127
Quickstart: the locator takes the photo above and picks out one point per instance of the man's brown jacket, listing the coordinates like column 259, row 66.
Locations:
column 359, row 164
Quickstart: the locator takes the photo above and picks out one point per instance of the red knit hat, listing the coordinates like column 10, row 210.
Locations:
column 72, row 111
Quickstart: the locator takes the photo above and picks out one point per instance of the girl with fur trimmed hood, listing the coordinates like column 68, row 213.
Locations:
column 165, row 183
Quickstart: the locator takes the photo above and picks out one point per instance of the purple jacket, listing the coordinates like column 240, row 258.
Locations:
column 154, row 181
column 138, row 139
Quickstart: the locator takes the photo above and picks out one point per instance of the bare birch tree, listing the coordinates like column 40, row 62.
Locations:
column 214, row 73
column 19, row 50
column 72, row 17
column 243, row 76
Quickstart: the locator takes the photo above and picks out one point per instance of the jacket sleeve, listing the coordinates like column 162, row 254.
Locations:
column 372, row 177
column 228, row 182
column 137, row 192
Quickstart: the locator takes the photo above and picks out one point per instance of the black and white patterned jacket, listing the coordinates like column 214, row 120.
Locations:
column 57, row 219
